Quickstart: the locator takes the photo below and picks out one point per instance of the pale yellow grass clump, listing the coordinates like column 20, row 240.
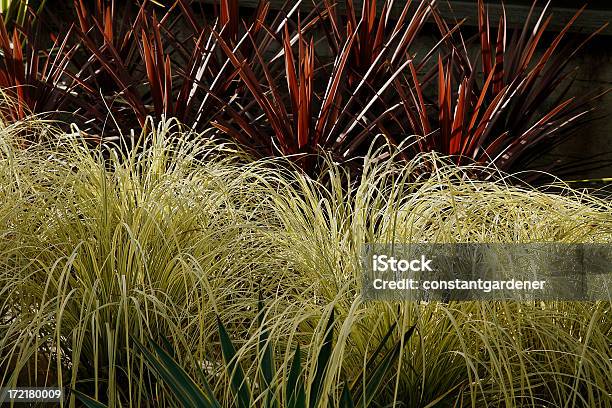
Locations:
column 97, row 247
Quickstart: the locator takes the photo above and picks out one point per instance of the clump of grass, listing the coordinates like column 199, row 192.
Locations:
column 97, row 248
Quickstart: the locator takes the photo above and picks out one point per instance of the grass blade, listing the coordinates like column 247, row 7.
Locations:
column 296, row 396
column 234, row 370
column 88, row 401
column 322, row 361
column 267, row 358
column 175, row 377
column 379, row 373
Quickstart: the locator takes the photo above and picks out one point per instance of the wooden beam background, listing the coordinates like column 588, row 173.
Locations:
column 589, row 21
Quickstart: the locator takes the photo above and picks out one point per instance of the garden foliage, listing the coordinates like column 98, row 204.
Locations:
column 101, row 253
column 289, row 82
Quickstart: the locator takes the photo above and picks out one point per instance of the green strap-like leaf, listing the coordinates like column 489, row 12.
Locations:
column 234, row 370
column 375, row 380
column 266, row 365
column 372, row 360
column 296, row 396
column 175, row 377
column 346, row 400
column 322, row 362
column 88, row 401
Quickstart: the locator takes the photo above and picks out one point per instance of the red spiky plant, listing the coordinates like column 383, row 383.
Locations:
column 333, row 81
column 513, row 105
column 31, row 76
column 137, row 67
column 300, row 117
